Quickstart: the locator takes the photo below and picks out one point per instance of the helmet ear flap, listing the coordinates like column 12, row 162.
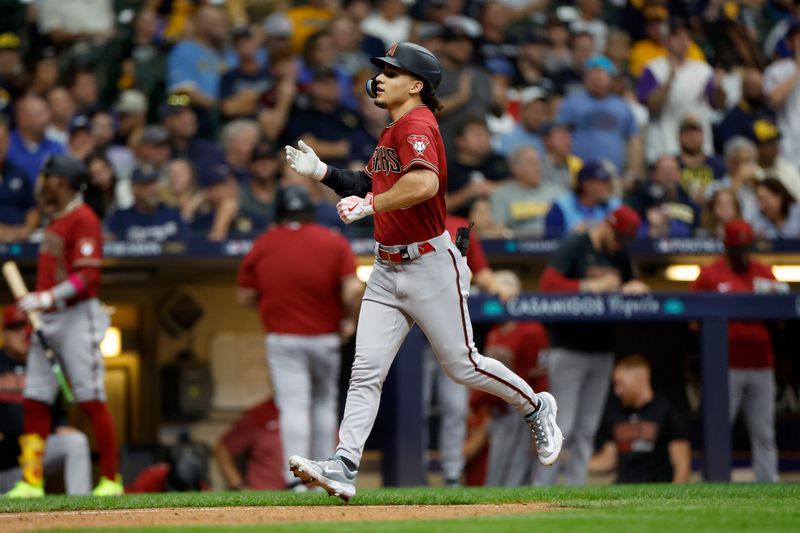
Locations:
column 372, row 86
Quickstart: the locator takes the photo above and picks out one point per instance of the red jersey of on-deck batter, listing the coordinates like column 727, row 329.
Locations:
column 749, row 343
column 72, row 241
column 412, row 141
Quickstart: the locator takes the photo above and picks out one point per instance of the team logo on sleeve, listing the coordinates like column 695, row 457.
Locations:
column 419, row 143
column 86, row 247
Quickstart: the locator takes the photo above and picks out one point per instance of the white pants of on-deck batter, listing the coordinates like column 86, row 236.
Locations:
column 432, row 291
column 304, row 370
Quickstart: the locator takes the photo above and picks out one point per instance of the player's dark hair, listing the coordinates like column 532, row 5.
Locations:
column 429, row 98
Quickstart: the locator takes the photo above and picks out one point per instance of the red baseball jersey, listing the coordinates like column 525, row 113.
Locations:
column 412, row 141
column 257, row 435
column 749, row 343
column 522, row 341
column 297, row 270
column 476, row 258
column 72, row 242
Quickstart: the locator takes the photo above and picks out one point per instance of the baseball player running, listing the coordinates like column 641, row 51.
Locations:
column 73, row 323
column 419, row 274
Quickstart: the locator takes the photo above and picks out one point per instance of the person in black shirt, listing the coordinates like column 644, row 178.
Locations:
column 643, row 436
column 242, row 88
column 475, row 169
column 580, row 358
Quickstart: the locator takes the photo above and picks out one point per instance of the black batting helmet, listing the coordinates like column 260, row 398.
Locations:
column 67, row 167
column 414, row 58
column 291, row 201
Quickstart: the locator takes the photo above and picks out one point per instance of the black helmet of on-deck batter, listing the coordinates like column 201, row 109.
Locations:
column 292, row 201
column 68, row 167
column 415, row 59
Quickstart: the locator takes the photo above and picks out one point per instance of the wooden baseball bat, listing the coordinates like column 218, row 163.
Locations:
column 18, row 289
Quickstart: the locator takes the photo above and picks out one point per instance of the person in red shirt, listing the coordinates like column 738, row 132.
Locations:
column 750, row 355
column 73, row 322
column 305, row 311
column 420, row 276
column 256, row 434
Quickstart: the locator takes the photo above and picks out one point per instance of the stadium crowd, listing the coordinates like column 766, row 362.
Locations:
column 555, row 115
column 689, row 111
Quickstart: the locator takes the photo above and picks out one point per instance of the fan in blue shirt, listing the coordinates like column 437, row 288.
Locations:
column 148, row 219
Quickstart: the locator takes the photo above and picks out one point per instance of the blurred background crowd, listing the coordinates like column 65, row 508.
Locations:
column 689, row 111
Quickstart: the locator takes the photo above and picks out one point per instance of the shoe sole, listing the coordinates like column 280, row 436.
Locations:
column 309, row 477
column 559, row 436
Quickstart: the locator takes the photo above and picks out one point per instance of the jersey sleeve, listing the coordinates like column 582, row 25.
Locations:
column 86, row 243
column 676, row 426
column 416, row 145
column 347, row 259
column 246, row 278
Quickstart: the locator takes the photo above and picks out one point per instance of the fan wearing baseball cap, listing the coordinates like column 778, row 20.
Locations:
column 586, row 206
column 581, row 357
column 750, row 355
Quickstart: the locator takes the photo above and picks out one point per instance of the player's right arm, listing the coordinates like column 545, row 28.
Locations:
column 605, row 460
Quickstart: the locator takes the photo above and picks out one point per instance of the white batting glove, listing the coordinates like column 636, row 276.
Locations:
column 36, row 301
column 355, row 208
column 304, row 161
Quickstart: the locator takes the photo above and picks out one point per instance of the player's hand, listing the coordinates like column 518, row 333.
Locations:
column 354, row 208
column 304, row 161
column 635, row 286
column 36, row 301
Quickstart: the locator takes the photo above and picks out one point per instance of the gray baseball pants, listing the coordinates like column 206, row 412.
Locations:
column 580, row 381
column 75, row 334
column 453, row 402
column 66, row 452
column 754, row 391
column 432, row 291
column 305, row 381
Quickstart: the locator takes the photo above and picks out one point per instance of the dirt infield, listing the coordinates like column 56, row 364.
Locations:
column 14, row 522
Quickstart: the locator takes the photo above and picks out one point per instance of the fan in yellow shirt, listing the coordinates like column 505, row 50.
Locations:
column 654, row 45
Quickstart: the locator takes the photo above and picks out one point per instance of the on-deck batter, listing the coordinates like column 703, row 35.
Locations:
column 419, row 275
column 67, row 283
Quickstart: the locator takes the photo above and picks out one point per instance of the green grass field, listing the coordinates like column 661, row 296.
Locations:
column 646, row 508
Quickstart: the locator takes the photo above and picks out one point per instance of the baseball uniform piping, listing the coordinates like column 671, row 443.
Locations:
column 466, row 337
column 93, row 348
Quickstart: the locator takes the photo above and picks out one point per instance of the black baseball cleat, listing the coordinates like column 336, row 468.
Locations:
column 331, row 474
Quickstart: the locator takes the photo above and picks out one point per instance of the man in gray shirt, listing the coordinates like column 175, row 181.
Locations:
column 522, row 204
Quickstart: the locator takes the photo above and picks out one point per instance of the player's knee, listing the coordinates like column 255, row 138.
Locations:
column 364, row 373
column 75, row 442
column 459, row 372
